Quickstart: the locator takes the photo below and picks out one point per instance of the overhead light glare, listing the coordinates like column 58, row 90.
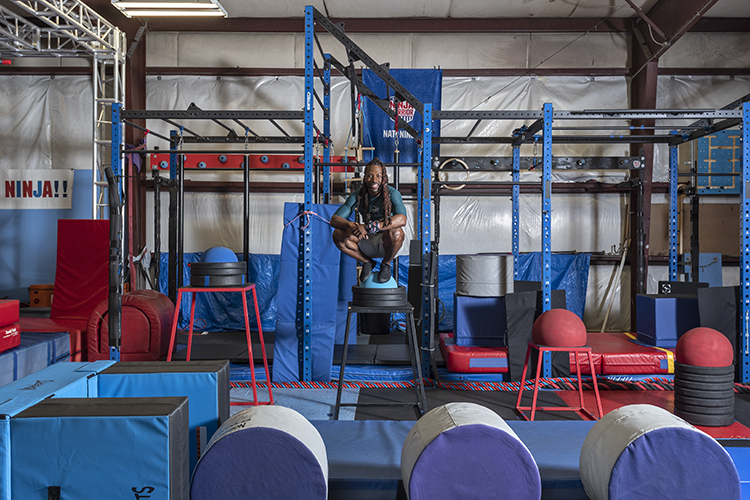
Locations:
column 171, row 9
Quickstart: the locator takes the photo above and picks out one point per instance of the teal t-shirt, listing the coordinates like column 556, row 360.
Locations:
column 376, row 205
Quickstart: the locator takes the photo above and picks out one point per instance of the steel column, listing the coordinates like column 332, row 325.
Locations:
column 547, row 225
column 674, row 231
column 745, row 247
column 327, row 129
column 425, row 221
column 304, row 294
column 516, row 177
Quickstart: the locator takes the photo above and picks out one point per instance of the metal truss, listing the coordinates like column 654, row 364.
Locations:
column 74, row 28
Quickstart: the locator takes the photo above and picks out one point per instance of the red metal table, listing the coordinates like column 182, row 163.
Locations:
column 194, row 290
column 542, row 349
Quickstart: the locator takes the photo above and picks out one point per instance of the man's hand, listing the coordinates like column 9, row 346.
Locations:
column 359, row 231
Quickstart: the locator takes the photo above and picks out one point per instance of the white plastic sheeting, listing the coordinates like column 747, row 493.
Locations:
column 46, row 122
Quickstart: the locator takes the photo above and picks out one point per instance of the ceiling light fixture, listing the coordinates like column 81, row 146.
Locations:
column 171, row 9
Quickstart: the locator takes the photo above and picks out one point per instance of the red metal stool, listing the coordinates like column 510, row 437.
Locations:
column 542, row 349
column 241, row 289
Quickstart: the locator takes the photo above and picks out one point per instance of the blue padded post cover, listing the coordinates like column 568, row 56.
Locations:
column 325, row 276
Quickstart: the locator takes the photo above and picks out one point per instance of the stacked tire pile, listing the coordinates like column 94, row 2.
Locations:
column 704, row 378
column 218, row 266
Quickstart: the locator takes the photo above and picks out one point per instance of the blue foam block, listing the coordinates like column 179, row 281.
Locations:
column 66, row 380
column 480, row 321
column 204, row 383
column 662, row 319
column 101, row 448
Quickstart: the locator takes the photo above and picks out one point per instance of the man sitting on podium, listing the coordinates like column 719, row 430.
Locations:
column 377, row 231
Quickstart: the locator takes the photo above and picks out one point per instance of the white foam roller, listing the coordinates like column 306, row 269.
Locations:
column 643, row 451
column 484, row 275
column 264, row 452
column 466, row 451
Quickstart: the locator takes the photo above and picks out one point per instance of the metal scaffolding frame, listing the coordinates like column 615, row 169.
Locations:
column 708, row 121
column 70, row 28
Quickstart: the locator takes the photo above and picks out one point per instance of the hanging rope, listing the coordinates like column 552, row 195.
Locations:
column 307, row 214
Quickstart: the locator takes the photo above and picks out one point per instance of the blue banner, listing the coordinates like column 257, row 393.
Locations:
column 379, row 128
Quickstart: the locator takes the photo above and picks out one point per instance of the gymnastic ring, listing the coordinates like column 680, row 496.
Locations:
column 463, row 164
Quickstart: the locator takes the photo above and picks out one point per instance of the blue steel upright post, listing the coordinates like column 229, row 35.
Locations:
column 327, row 129
column 304, row 295
column 425, row 221
column 673, row 210
column 516, row 177
column 547, row 227
column 115, row 289
column 745, row 247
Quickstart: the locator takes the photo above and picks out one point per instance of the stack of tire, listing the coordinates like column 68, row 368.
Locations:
column 704, row 378
column 218, row 266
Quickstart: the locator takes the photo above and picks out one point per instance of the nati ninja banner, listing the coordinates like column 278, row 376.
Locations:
column 31, row 189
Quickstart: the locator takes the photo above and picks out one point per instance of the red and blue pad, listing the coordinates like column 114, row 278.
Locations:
column 470, row 359
column 205, row 383
column 91, row 449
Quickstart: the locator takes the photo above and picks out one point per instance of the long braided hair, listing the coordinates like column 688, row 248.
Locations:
column 363, row 202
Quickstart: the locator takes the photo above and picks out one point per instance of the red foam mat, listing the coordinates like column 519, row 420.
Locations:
column 75, row 328
column 9, row 312
column 612, row 353
column 10, row 337
column 82, row 272
column 472, row 359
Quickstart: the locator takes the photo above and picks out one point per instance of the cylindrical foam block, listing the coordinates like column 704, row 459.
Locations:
column 704, row 347
column 484, row 275
column 642, row 451
column 265, row 452
column 560, row 328
column 464, row 450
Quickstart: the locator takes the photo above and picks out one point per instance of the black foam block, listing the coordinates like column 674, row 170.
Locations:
column 718, row 308
column 522, row 309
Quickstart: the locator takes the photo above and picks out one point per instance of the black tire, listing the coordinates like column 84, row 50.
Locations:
column 685, row 400
column 703, row 386
column 703, row 370
column 692, row 393
column 704, row 410
column 217, row 268
column 200, row 281
column 692, row 377
column 706, row 420
column 379, row 297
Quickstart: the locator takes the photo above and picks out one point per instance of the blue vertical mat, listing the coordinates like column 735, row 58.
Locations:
column 569, row 273
column 325, row 294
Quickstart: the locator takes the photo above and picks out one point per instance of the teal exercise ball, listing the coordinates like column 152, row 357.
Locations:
column 372, row 282
column 218, row 254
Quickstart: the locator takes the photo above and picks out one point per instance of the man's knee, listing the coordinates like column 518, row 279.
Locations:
column 395, row 236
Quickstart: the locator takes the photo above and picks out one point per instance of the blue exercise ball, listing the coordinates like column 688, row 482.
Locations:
column 218, row 254
column 372, row 282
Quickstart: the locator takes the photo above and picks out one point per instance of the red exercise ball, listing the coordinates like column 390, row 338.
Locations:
column 704, row 347
column 559, row 328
